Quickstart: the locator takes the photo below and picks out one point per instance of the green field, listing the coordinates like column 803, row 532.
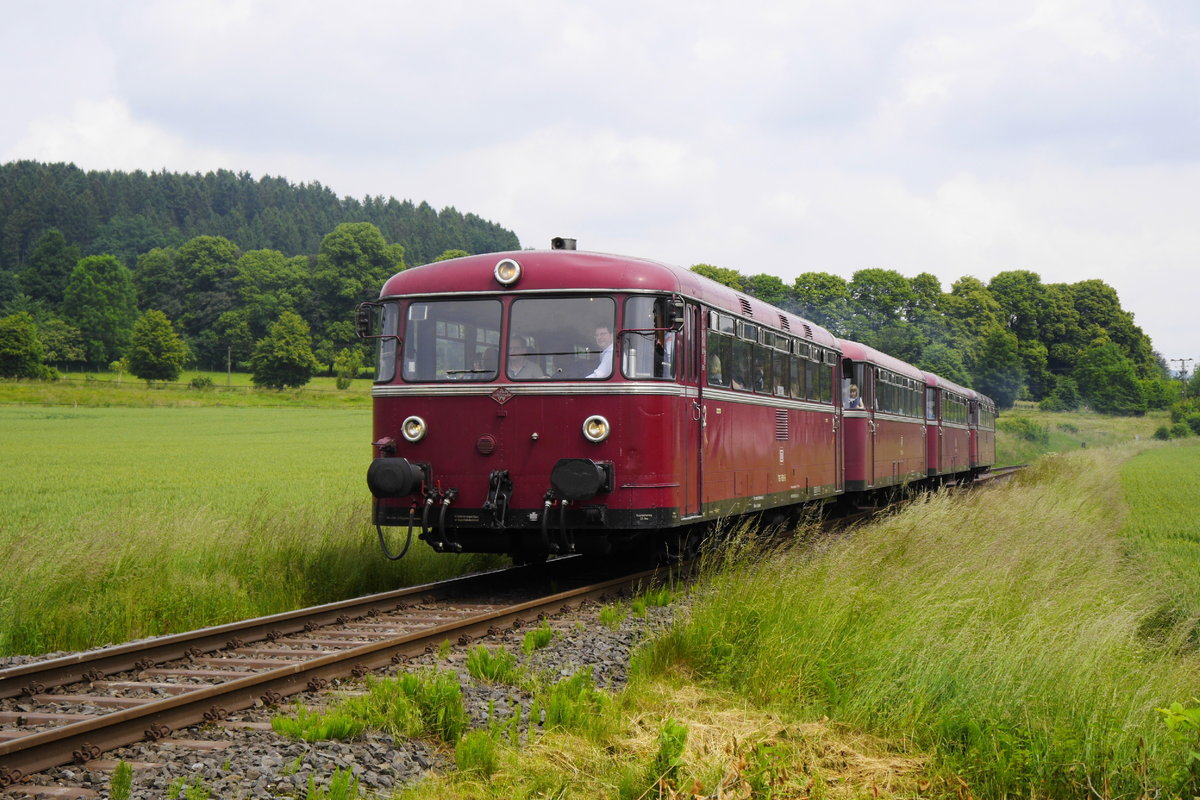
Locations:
column 122, row 522
column 1015, row 641
column 103, row 389
column 1162, row 489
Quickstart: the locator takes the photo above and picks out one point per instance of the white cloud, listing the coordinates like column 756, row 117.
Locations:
column 1051, row 135
column 102, row 134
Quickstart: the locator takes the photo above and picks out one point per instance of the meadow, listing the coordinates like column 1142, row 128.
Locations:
column 1018, row 640
column 119, row 522
column 1031, row 639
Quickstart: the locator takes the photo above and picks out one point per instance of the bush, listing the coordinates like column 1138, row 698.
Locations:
column 1065, row 397
column 1025, row 428
column 1163, row 432
column 1179, row 430
column 202, row 383
column 1193, row 422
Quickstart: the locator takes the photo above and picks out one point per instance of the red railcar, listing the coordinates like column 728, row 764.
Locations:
column 541, row 402
column 948, row 436
column 554, row 401
column 884, row 425
column 982, row 420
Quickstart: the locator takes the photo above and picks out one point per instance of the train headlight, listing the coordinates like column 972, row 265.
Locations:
column 596, row 428
column 413, row 429
column 507, row 272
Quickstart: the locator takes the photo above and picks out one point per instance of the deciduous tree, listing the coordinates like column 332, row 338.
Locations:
column 723, row 275
column 101, row 301
column 1108, row 381
column 156, row 352
column 284, row 357
column 353, row 263
column 20, row 348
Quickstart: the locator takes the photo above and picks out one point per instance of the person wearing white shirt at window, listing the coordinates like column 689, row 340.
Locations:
column 604, row 340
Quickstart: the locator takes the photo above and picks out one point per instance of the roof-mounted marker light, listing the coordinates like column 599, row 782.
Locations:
column 507, row 272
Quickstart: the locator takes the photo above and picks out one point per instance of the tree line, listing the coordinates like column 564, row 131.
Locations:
column 206, row 302
column 225, row 258
column 1015, row 337
column 126, row 214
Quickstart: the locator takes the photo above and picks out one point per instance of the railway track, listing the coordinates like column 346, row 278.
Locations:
column 151, row 689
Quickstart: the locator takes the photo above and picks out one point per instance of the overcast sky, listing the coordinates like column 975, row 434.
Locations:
column 780, row 137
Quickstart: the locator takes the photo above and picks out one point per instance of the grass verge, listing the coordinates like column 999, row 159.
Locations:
column 998, row 632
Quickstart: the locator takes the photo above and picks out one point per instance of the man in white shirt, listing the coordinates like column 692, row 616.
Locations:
column 604, row 340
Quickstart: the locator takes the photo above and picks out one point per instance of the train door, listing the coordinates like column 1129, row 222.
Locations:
column 692, row 412
column 943, row 445
column 839, row 434
column 868, row 381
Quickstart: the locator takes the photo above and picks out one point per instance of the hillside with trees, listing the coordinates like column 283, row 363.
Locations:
column 225, row 258
column 126, row 214
column 1064, row 345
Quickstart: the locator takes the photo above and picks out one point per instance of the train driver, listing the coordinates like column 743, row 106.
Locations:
column 604, row 340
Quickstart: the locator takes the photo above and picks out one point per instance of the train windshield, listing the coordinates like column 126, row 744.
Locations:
column 452, row 340
column 561, row 338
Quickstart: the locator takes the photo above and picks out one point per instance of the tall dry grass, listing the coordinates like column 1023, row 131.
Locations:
column 1005, row 631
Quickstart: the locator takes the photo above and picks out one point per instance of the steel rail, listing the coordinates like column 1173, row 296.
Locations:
column 36, row 677
column 85, row 740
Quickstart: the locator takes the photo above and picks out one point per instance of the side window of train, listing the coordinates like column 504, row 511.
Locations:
column 930, row 403
column 720, row 349
column 648, row 342
column 742, row 375
column 825, row 376
column 779, row 367
column 796, row 367
column 385, row 355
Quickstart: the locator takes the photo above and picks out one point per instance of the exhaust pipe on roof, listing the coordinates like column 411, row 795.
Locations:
column 559, row 243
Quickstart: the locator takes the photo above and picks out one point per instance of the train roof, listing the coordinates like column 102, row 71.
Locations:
column 937, row 381
column 577, row 270
column 861, row 352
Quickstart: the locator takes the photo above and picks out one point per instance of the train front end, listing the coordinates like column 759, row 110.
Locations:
column 526, row 403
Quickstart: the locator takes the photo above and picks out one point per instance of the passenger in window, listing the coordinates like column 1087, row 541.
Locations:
column 715, row 377
column 852, row 398
column 485, row 365
column 522, row 366
column 604, row 340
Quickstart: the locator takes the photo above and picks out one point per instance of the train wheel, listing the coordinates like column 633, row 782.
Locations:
column 679, row 545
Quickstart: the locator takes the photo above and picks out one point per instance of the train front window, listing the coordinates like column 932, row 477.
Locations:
column 561, row 338
column 452, row 340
